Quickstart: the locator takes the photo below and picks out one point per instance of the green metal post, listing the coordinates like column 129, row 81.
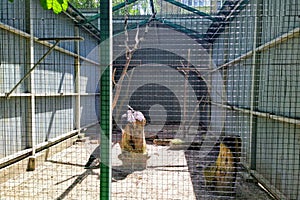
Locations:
column 105, row 112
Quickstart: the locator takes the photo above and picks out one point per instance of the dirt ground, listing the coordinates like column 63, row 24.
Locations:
column 168, row 176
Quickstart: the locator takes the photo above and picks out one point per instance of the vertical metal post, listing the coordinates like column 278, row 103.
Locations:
column 77, row 81
column 255, row 82
column 106, row 97
column 29, row 87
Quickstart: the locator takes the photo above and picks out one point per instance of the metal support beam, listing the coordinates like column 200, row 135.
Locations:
column 29, row 137
column 122, row 5
column 132, row 27
column 176, row 3
column 254, row 97
column 57, row 40
column 44, row 43
column 105, row 98
column 267, row 115
column 277, row 41
column 190, row 9
column 180, row 28
column 77, row 81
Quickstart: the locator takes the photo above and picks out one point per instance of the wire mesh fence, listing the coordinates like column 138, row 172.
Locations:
column 186, row 100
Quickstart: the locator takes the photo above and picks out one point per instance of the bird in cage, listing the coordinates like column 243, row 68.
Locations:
column 94, row 158
column 221, row 175
column 133, row 136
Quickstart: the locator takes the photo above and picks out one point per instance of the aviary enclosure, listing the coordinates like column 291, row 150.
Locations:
column 150, row 99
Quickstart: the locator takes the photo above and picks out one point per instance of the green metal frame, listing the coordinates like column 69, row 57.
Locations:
column 105, row 99
column 122, row 5
column 193, row 10
column 180, row 28
column 131, row 27
column 240, row 4
column 176, row 3
column 175, row 26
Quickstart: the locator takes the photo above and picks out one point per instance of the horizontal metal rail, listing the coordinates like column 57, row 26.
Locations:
column 180, row 28
column 260, row 114
column 45, row 43
column 279, row 40
column 78, row 17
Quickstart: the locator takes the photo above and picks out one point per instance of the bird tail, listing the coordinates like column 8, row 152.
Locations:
column 90, row 161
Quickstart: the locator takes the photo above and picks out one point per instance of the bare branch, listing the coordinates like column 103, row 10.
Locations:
column 129, row 53
column 113, row 76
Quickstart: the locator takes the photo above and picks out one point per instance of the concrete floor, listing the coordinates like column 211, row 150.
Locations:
column 63, row 176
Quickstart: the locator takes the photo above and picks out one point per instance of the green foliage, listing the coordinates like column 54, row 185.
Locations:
column 85, row 3
column 137, row 8
column 56, row 5
column 205, row 9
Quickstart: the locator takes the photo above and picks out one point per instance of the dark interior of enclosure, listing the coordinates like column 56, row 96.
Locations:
column 156, row 94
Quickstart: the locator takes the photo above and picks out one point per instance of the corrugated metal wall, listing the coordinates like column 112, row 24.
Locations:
column 264, row 103
column 51, row 87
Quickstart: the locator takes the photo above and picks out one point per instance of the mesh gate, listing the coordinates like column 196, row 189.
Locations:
column 186, row 100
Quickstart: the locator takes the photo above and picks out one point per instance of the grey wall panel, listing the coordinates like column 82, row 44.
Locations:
column 238, row 85
column 88, row 110
column 46, row 24
column 279, row 84
column 278, row 147
column 12, row 123
column 89, row 47
column 220, row 49
column 12, row 61
column 279, row 17
column 13, row 14
column 53, row 116
column 89, row 77
column 241, row 32
column 55, row 74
